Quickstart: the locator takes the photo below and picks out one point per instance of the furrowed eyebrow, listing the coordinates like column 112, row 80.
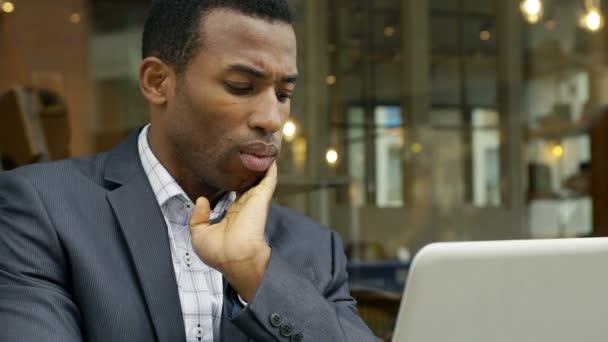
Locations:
column 257, row 73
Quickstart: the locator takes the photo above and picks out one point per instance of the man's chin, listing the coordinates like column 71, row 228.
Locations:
column 250, row 182
column 246, row 183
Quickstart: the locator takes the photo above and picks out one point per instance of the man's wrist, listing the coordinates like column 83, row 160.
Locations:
column 246, row 276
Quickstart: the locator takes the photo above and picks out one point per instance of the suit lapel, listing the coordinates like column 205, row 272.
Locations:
column 145, row 231
column 230, row 332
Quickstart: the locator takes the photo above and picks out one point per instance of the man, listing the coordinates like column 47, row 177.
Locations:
column 124, row 246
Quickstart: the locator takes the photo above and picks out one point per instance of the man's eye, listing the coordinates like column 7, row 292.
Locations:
column 283, row 96
column 239, row 88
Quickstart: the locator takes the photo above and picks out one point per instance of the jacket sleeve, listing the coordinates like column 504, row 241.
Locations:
column 35, row 304
column 288, row 307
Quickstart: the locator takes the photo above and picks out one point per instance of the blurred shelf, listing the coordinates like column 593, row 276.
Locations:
column 544, row 196
column 293, row 184
column 558, row 131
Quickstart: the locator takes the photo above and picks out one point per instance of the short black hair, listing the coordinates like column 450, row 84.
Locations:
column 171, row 30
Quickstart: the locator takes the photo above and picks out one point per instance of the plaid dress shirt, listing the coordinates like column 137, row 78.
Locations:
column 200, row 286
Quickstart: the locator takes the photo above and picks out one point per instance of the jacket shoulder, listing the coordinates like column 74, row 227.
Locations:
column 67, row 171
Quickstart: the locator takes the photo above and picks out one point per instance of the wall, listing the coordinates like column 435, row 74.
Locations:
column 39, row 37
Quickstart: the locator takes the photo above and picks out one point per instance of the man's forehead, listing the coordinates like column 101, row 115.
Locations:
column 237, row 39
column 219, row 24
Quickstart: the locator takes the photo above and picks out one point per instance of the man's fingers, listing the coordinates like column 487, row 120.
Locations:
column 264, row 189
column 201, row 212
column 268, row 183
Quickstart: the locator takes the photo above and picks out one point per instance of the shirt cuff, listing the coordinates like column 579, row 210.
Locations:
column 242, row 301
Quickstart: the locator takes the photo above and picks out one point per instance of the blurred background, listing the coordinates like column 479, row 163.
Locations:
column 414, row 121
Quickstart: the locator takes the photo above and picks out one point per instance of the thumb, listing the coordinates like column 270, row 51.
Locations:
column 200, row 213
column 269, row 183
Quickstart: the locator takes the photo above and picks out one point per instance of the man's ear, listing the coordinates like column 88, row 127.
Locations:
column 156, row 80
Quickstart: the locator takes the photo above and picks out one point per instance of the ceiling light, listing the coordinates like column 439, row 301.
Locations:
column 416, row 148
column 289, row 130
column 75, row 18
column 389, row 31
column 8, row 7
column 532, row 10
column 592, row 20
column 331, row 156
column 557, row 150
column 330, row 80
column 485, row 35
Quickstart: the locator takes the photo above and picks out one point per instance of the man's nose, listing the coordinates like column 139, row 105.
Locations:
column 269, row 113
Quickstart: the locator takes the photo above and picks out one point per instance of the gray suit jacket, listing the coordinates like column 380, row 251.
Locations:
column 84, row 255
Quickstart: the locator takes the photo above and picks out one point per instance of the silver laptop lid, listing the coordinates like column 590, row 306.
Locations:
column 515, row 291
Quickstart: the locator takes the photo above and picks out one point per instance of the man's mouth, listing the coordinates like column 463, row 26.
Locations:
column 258, row 157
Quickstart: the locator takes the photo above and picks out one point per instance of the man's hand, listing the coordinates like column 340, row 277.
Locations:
column 236, row 246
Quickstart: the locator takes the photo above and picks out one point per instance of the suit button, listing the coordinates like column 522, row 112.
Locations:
column 286, row 329
column 297, row 337
column 276, row 319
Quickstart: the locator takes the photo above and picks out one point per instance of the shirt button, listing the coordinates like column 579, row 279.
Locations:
column 198, row 332
column 188, row 259
column 275, row 320
column 286, row 329
column 297, row 337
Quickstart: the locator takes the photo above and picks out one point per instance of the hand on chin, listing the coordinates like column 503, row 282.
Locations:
column 236, row 246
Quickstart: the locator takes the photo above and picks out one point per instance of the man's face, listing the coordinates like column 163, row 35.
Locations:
column 225, row 123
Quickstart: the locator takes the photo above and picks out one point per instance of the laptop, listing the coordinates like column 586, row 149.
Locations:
column 507, row 291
